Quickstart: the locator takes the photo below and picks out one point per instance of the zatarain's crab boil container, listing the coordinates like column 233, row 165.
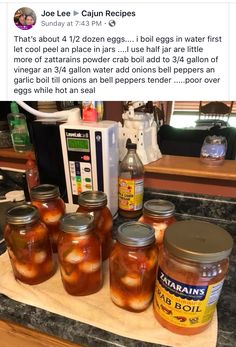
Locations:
column 192, row 266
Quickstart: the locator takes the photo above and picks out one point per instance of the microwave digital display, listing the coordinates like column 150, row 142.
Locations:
column 80, row 145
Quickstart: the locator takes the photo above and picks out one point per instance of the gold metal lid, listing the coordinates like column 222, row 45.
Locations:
column 92, row 199
column 80, row 223
column 135, row 234
column 22, row 214
column 159, row 208
column 198, row 241
column 45, row 191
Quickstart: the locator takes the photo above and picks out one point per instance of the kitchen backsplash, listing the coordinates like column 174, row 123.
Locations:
column 214, row 207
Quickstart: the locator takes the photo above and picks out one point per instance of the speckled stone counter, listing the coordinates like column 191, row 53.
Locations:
column 218, row 210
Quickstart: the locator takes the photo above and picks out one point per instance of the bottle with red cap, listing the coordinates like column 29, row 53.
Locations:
column 32, row 174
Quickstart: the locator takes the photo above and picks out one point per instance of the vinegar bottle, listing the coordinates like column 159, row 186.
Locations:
column 131, row 182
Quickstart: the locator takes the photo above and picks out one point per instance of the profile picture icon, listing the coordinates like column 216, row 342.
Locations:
column 24, row 18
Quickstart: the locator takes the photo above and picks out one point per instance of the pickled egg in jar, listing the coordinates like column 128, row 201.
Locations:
column 133, row 263
column 79, row 253
column 28, row 245
column 95, row 202
column 46, row 197
column 192, row 266
column 159, row 214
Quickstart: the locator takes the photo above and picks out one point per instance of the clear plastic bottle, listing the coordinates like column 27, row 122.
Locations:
column 131, row 183
column 19, row 131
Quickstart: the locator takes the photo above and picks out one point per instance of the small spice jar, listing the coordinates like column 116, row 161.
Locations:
column 95, row 202
column 159, row 214
column 79, row 253
column 46, row 197
column 191, row 270
column 133, row 264
column 28, row 245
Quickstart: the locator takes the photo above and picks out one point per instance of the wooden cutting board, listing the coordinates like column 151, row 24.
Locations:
column 98, row 310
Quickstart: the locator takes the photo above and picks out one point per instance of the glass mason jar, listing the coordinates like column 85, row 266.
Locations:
column 159, row 214
column 191, row 269
column 46, row 197
column 133, row 263
column 95, row 202
column 28, row 245
column 79, row 253
column 213, row 150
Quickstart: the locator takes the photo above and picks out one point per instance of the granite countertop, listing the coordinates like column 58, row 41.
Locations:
column 216, row 210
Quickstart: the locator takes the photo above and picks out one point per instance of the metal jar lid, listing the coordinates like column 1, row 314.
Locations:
column 135, row 234
column 198, row 241
column 92, row 199
column 45, row 191
column 22, row 214
column 76, row 222
column 159, row 208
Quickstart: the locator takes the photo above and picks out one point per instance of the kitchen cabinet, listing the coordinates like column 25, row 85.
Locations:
column 176, row 173
column 188, row 174
column 15, row 335
column 15, row 160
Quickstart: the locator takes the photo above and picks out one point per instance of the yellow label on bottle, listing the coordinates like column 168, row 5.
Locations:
column 130, row 194
column 185, row 305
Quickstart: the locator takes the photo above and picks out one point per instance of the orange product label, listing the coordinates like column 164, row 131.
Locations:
column 185, row 305
column 130, row 194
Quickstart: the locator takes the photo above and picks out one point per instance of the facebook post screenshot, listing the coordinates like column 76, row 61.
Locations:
column 117, row 173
